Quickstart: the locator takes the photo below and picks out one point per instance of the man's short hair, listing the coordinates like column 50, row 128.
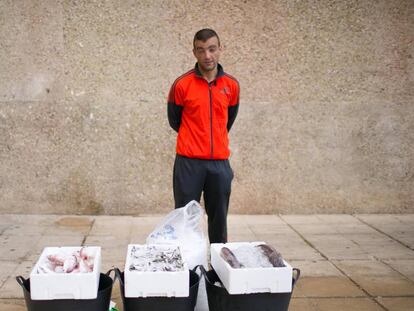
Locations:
column 204, row 35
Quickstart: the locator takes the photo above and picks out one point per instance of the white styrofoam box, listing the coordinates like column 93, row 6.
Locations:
column 52, row 286
column 155, row 283
column 250, row 280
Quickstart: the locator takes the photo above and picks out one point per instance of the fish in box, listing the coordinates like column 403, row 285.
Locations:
column 251, row 267
column 66, row 273
column 155, row 270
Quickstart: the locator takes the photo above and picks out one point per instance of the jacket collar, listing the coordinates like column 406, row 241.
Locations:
column 220, row 71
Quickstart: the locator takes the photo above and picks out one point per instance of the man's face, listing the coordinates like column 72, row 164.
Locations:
column 207, row 53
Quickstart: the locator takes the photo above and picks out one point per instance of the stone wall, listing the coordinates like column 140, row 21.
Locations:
column 326, row 122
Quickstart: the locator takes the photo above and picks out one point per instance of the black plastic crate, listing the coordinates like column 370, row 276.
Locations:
column 161, row 303
column 101, row 303
column 219, row 298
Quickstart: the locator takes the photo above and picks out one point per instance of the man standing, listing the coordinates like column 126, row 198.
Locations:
column 202, row 106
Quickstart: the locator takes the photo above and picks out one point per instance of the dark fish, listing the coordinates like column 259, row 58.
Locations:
column 273, row 255
column 228, row 256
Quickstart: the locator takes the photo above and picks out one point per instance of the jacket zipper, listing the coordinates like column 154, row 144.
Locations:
column 211, row 118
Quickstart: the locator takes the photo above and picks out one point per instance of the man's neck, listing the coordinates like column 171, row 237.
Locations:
column 209, row 75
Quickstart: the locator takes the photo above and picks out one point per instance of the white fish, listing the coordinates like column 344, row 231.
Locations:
column 80, row 261
column 70, row 264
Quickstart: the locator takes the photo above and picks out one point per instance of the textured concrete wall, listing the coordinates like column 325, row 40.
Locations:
column 326, row 122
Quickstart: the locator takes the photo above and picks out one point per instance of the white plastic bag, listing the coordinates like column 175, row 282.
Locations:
column 182, row 227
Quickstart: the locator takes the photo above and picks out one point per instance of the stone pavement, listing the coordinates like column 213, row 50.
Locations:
column 348, row 262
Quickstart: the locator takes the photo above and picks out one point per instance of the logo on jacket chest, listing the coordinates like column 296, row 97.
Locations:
column 225, row 90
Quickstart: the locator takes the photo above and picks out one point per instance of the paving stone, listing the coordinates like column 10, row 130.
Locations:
column 379, row 219
column 301, row 304
column 294, row 252
column 12, row 305
column 24, row 269
column 67, row 230
column 405, row 267
column 400, row 230
column 10, row 288
column 385, row 286
column 321, row 219
column 313, row 229
column 327, row 286
column 397, row 303
column 405, row 218
column 23, row 230
column 380, row 246
column 147, row 220
column 236, row 229
column 6, row 269
column 114, row 255
column 239, row 233
column 270, row 228
column 288, row 237
column 400, row 227
column 27, row 219
column 236, row 219
column 404, row 237
column 119, row 226
column 70, row 224
column 7, row 220
column 311, row 268
column 388, row 250
column 377, row 278
column 16, row 248
column 246, row 237
column 340, row 228
column 263, row 220
column 354, row 229
column 339, row 219
column 59, row 241
column 301, row 219
column 401, row 235
column 368, row 238
column 3, row 227
column 346, row 304
column 395, row 228
column 75, row 221
column 322, row 229
column 365, row 268
column 337, row 247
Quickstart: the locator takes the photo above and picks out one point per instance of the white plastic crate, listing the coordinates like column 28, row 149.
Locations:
column 50, row 286
column 250, row 280
column 155, row 283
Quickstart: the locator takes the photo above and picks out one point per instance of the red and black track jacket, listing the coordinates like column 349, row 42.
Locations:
column 202, row 113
